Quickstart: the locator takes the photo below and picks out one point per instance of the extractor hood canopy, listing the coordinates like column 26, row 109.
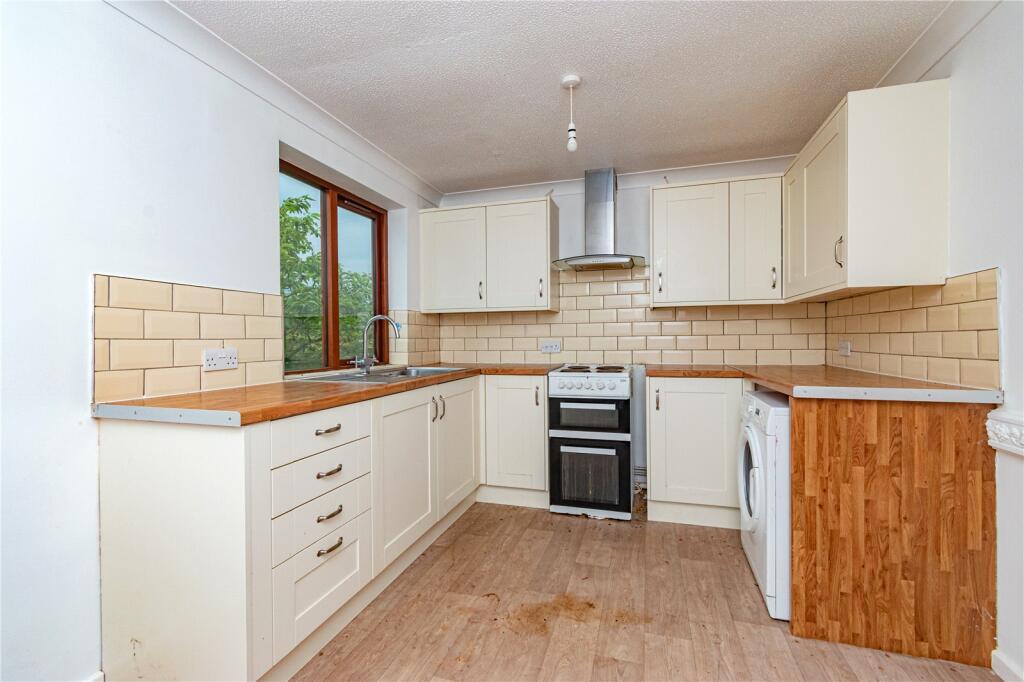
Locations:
column 599, row 231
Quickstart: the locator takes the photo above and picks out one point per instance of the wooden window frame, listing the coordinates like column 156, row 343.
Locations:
column 333, row 197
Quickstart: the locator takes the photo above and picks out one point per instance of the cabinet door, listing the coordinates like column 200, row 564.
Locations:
column 816, row 224
column 690, row 244
column 518, row 262
column 755, row 239
column 516, row 432
column 457, row 442
column 405, row 494
column 453, row 244
column 693, row 430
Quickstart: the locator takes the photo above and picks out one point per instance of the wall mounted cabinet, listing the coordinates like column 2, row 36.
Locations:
column 867, row 199
column 489, row 257
column 716, row 243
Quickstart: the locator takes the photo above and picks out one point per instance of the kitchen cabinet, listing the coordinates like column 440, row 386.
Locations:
column 425, row 462
column 458, row 442
column 690, row 244
column 866, row 201
column 755, row 240
column 453, row 262
column 692, row 432
column 717, row 243
column 489, row 257
column 516, row 428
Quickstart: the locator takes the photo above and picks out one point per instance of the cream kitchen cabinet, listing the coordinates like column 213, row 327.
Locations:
column 516, row 428
column 425, row 458
column 717, row 243
column 692, row 431
column 866, row 202
column 489, row 257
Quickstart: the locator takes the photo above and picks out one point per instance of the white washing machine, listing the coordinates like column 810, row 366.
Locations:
column 762, row 470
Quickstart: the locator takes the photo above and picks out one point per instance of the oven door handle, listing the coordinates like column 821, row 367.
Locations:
column 576, row 450
column 588, row 406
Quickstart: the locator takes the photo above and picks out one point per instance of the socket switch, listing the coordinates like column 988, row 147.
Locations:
column 219, row 358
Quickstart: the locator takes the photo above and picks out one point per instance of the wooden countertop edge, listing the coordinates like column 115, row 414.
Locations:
column 246, row 405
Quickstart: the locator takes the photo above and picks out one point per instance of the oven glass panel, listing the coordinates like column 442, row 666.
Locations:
column 589, row 475
column 579, row 414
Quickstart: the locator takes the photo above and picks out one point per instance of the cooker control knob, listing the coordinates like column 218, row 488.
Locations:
column 579, row 384
column 600, row 385
column 561, row 384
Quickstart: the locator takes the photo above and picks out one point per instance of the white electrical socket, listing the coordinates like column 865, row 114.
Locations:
column 551, row 346
column 219, row 358
column 845, row 348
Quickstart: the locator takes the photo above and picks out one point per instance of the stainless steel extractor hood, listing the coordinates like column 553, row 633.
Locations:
column 599, row 231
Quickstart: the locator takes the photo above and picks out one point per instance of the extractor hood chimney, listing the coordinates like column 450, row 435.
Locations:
column 599, row 237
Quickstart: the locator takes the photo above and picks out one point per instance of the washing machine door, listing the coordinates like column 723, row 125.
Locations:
column 750, row 479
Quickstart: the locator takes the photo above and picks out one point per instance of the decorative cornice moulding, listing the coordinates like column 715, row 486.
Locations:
column 1006, row 431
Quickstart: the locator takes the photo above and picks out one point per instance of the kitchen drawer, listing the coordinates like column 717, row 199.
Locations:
column 299, row 527
column 308, row 588
column 296, row 437
column 298, row 482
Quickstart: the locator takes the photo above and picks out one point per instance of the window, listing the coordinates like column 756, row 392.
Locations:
column 333, row 272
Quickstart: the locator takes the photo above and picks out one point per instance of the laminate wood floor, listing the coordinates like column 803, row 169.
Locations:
column 510, row 593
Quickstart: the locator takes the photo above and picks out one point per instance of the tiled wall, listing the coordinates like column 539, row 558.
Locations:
column 420, row 342
column 149, row 337
column 940, row 333
column 605, row 317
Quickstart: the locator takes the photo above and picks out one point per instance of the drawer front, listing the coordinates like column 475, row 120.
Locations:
column 301, row 481
column 308, row 434
column 308, row 588
column 318, row 518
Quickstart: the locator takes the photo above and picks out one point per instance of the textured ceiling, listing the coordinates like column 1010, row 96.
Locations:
column 467, row 94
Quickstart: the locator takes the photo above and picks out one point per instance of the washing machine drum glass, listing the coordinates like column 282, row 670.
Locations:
column 750, row 480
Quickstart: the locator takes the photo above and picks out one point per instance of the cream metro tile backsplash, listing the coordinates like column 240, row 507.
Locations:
column 148, row 337
column 943, row 333
column 605, row 317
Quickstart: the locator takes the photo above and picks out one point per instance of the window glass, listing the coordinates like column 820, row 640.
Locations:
column 356, row 301
column 301, row 273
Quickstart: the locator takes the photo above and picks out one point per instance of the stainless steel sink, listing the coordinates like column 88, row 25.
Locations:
column 384, row 376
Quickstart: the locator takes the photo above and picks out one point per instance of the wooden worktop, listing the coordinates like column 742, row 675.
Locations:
column 265, row 402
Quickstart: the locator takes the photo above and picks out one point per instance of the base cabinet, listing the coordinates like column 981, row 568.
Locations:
column 426, row 452
column 693, row 427
column 516, row 417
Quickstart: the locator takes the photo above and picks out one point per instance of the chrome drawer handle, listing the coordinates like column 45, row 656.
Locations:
column 536, row 396
column 329, row 472
column 437, row 410
column 835, row 251
column 657, row 399
column 659, row 283
column 540, row 288
column 480, row 290
column 775, row 277
column 333, row 547
column 444, row 407
column 321, row 519
column 333, row 429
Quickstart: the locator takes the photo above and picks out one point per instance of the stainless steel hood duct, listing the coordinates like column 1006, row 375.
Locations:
column 599, row 235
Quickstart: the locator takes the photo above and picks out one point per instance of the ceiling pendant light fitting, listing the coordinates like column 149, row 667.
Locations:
column 569, row 82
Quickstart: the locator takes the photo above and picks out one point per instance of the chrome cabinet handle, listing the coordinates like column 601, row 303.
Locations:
column 330, row 472
column 835, row 251
column 480, row 290
column 321, row 519
column 657, row 399
column 540, row 288
column 336, row 545
column 536, row 396
column 444, row 408
column 659, row 283
column 333, row 429
column 434, row 418
column 775, row 277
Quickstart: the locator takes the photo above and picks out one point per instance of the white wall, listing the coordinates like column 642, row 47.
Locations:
column 986, row 71
column 122, row 153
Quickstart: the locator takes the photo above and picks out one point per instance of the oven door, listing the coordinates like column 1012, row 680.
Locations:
column 589, row 474
column 583, row 416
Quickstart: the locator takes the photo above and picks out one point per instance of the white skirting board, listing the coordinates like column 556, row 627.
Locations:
column 288, row 666
column 516, row 497
column 693, row 514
